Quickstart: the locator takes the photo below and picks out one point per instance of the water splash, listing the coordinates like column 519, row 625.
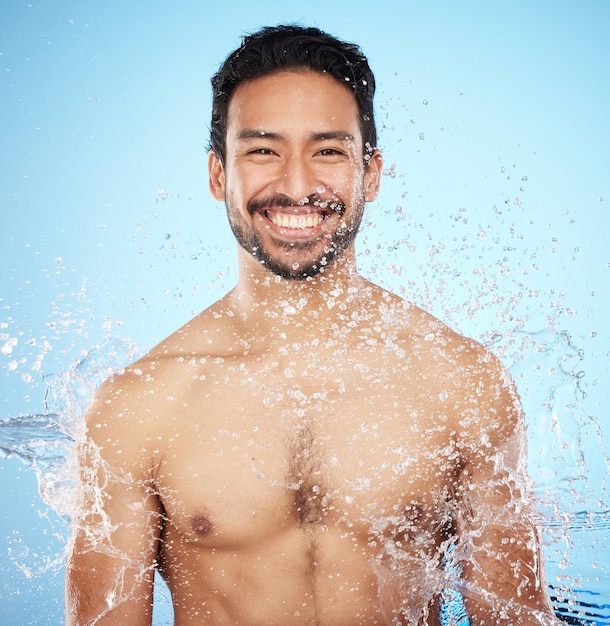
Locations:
column 569, row 466
column 44, row 441
column 566, row 459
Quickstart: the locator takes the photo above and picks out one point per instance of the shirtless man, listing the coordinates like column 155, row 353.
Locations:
column 311, row 449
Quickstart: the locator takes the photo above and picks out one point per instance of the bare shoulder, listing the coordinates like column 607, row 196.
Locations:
column 133, row 405
column 159, row 369
column 464, row 372
column 130, row 409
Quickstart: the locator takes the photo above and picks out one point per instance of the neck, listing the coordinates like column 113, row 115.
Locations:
column 302, row 305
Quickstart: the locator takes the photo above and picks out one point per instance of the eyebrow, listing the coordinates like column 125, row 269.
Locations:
column 253, row 133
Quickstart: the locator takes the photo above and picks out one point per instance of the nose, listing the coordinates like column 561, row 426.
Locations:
column 296, row 179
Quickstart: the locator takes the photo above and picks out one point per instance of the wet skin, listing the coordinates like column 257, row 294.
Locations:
column 305, row 450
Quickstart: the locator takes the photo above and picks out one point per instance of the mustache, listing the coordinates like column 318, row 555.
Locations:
column 282, row 201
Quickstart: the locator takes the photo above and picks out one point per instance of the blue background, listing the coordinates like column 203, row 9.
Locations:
column 493, row 120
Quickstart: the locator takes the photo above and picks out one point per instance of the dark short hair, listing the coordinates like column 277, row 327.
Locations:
column 290, row 47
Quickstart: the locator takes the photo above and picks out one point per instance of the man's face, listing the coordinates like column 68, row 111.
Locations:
column 294, row 180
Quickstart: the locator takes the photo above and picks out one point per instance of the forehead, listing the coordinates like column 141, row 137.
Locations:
column 296, row 101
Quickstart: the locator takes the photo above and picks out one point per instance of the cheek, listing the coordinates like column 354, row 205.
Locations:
column 244, row 184
column 351, row 188
column 236, row 188
column 346, row 184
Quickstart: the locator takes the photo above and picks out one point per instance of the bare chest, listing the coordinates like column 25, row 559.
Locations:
column 244, row 458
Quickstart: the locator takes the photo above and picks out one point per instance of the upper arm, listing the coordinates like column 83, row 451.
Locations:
column 503, row 573
column 117, row 524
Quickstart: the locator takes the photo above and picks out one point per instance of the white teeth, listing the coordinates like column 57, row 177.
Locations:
column 284, row 220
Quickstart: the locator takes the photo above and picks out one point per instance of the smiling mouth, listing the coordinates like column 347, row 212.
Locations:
column 295, row 221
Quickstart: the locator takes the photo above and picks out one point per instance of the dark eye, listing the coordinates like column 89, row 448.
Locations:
column 263, row 151
column 331, row 152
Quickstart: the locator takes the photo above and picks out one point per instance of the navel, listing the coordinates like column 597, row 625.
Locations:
column 202, row 525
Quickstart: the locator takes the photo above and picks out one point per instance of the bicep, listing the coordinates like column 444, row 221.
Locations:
column 115, row 536
column 502, row 567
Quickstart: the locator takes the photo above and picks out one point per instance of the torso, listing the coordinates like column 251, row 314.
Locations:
column 303, row 483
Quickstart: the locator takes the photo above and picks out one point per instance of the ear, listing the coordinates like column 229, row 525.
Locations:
column 216, row 176
column 372, row 176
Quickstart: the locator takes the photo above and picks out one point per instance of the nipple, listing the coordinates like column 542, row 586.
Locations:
column 202, row 525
